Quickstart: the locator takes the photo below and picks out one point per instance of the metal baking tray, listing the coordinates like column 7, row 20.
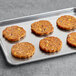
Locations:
column 26, row 22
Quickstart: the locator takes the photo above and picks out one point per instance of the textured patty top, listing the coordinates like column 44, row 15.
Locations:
column 50, row 44
column 66, row 22
column 42, row 27
column 71, row 39
column 23, row 50
column 14, row 33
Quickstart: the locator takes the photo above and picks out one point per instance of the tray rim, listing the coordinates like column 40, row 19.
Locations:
column 23, row 17
column 8, row 20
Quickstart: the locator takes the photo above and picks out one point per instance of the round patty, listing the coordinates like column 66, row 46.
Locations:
column 14, row 33
column 50, row 44
column 42, row 27
column 66, row 22
column 23, row 50
column 71, row 39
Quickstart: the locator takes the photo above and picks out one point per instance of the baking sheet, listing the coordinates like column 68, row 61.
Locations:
column 26, row 22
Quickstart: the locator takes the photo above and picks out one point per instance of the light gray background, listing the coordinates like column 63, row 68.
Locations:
column 60, row 66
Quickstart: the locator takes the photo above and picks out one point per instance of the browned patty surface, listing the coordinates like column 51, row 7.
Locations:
column 14, row 33
column 50, row 44
column 42, row 27
column 23, row 50
column 66, row 22
column 71, row 39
